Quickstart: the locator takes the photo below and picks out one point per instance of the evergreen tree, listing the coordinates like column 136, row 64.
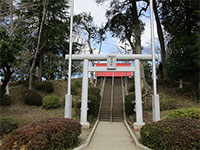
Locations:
column 54, row 34
column 181, row 20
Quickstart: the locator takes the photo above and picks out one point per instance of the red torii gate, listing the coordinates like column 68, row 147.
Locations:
column 115, row 74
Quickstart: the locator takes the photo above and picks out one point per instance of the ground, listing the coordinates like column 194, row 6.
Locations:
column 27, row 114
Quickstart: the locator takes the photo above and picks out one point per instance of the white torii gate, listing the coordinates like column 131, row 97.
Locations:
column 111, row 66
column 155, row 97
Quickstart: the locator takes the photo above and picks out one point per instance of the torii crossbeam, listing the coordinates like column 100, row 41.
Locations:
column 86, row 68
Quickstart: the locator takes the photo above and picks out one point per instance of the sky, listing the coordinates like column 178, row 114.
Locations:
column 111, row 44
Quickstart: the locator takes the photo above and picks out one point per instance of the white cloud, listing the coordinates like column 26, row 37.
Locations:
column 97, row 11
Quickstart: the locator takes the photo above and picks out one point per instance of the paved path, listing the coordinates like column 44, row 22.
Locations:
column 111, row 136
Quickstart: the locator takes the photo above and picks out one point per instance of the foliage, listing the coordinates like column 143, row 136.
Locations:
column 9, row 51
column 93, row 100
column 168, row 104
column 54, row 36
column 7, row 125
column 93, row 105
column 45, row 86
column 129, row 104
column 181, row 21
column 32, row 97
column 85, row 22
column 94, row 91
column 77, row 83
column 5, row 100
column 76, row 87
column 131, row 88
column 54, row 66
column 172, row 134
column 120, row 23
column 147, row 70
column 190, row 113
column 51, row 134
column 50, row 102
column 75, row 90
column 147, row 103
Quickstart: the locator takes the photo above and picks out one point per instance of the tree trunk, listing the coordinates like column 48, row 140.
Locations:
column 132, row 45
column 91, row 52
column 162, row 42
column 137, row 28
column 40, row 67
column 181, row 84
column 37, row 50
column 6, row 80
column 138, row 43
column 95, row 84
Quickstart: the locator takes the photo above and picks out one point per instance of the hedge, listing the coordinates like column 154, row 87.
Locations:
column 50, row 102
column 129, row 104
column 94, row 91
column 191, row 113
column 49, row 134
column 168, row 104
column 45, row 87
column 93, row 105
column 7, row 125
column 32, row 97
column 171, row 134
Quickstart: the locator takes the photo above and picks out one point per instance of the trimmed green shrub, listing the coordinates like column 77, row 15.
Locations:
column 49, row 134
column 7, row 125
column 192, row 113
column 50, row 102
column 93, row 105
column 45, row 87
column 129, row 104
column 5, row 100
column 168, row 104
column 32, row 97
column 94, row 91
column 172, row 134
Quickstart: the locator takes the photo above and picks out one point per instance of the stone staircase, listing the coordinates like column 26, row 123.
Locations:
column 105, row 108
column 117, row 101
column 117, row 111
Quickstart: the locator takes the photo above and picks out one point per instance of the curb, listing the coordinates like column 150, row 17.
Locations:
column 88, row 138
column 128, row 127
column 134, row 137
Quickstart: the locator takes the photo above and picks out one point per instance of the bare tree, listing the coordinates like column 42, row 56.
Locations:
column 38, row 47
column 84, row 21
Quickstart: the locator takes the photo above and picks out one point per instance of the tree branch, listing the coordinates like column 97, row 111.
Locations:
column 143, row 9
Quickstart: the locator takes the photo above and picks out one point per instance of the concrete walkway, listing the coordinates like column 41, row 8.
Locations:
column 111, row 136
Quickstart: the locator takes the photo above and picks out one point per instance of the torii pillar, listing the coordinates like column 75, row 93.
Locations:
column 138, row 94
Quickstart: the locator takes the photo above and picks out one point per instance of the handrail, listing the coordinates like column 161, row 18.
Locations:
column 101, row 94
column 123, row 98
column 111, row 103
